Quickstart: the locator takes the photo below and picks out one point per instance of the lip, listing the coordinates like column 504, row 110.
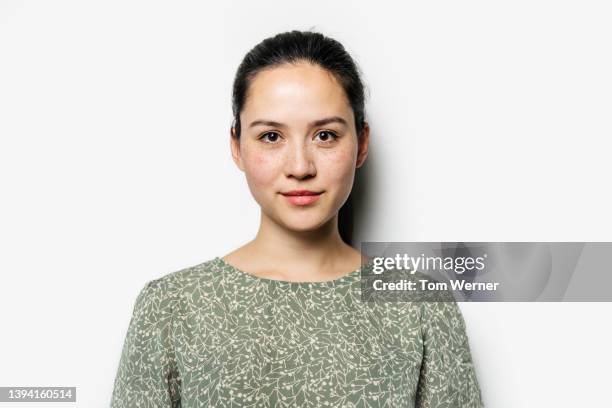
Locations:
column 302, row 197
column 301, row 193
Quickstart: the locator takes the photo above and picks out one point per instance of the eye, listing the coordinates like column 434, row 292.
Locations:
column 274, row 138
column 328, row 136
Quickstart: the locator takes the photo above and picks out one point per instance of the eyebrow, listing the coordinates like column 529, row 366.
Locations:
column 320, row 122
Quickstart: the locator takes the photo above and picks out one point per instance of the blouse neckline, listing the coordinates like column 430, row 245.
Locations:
column 349, row 277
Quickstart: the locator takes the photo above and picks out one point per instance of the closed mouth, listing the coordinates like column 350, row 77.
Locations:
column 302, row 193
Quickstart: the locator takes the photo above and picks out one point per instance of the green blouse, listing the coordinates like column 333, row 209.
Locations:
column 211, row 335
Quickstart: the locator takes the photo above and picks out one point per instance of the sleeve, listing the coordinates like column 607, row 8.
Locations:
column 447, row 377
column 147, row 376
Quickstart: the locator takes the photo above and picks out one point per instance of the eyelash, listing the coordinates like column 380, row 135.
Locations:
column 333, row 134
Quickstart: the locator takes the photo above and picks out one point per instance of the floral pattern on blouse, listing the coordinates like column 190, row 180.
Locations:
column 211, row 335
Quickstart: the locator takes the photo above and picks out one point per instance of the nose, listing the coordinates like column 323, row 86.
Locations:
column 299, row 161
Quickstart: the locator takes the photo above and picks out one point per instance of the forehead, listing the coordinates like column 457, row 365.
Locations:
column 296, row 92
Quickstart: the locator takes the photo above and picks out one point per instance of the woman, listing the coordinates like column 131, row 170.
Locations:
column 280, row 321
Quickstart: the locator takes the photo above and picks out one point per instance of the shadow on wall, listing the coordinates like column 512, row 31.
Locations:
column 353, row 212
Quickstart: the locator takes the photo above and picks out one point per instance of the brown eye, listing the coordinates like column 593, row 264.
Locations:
column 273, row 139
column 327, row 136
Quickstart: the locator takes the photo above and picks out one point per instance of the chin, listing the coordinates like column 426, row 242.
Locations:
column 302, row 226
column 302, row 223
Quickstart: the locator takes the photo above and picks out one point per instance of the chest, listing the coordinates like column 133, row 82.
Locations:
column 296, row 351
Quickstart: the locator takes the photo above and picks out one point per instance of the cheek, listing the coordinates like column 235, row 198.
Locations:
column 340, row 166
column 261, row 169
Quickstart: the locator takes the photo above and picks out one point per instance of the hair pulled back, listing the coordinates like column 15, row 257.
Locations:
column 293, row 47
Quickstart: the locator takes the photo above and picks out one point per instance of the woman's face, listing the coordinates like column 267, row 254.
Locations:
column 298, row 133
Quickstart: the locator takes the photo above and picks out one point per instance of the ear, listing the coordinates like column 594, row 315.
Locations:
column 235, row 148
column 364, row 142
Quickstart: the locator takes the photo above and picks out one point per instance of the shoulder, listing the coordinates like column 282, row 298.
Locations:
column 185, row 276
column 439, row 312
column 427, row 308
column 175, row 285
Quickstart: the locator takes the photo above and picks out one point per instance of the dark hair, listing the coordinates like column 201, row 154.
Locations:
column 292, row 47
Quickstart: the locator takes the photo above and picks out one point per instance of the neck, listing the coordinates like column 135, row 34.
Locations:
column 321, row 249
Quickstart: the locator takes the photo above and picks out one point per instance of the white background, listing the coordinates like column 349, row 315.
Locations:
column 490, row 122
